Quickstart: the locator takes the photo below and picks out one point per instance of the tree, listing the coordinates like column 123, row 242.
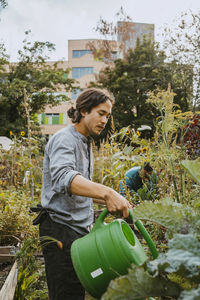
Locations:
column 3, row 3
column 183, row 45
column 29, row 84
column 105, row 48
column 131, row 79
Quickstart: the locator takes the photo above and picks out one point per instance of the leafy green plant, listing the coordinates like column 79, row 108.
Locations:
column 149, row 191
column 24, row 155
column 122, row 151
column 175, row 273
column 192, row 168
column 31, row 278
column 15, row 220
column 139, row 284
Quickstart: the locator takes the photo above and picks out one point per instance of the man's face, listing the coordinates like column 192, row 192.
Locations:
column 95, row 121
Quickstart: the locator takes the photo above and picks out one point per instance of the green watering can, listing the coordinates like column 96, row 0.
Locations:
column 107, row 252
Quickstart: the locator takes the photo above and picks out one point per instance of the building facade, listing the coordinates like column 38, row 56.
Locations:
column 84, row 67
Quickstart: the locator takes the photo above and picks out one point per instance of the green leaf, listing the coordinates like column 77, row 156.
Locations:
column 193, row 294
column 139, row 284
column 165, row 212
column 127, row 150
column 193, row 168
column 183, row 257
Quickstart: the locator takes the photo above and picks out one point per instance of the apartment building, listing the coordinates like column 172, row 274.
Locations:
column 85, row 67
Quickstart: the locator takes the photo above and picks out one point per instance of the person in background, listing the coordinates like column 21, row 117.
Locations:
column 67, row 208
column 135, row 179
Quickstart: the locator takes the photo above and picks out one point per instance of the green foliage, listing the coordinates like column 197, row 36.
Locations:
column 193, row 294
column 15, row 220
column 16, row 226
column 179, row 267
column 168, row 149
column 24, row 155
column 30, row 85
column 131, row 79
column 182, row 257
column 182, row 44
column 139, row 284
column 176, row 214
column 192, row 168
column 31, row 278
column 175, row 217
column 182, row 261
column 149, row 191
column 17, row 196
column 123, row 150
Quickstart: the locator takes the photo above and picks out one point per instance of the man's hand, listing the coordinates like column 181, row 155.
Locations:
column 117, row 203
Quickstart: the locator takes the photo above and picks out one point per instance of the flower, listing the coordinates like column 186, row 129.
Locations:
column 143, row 149
column 138, row 133
column 11, row 133
column 22, row 133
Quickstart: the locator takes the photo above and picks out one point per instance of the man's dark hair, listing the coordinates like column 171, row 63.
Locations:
column 148, row 168
column 87, row 100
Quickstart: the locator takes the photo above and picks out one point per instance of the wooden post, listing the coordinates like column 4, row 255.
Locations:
column 8, row 290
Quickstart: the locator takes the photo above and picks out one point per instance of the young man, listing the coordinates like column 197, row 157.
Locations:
column 68, row 191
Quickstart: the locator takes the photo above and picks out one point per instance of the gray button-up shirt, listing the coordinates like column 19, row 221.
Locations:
column 66, row 155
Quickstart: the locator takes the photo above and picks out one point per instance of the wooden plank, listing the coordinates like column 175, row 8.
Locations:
column 6, row 257
column 5, row 249
column 8, row 290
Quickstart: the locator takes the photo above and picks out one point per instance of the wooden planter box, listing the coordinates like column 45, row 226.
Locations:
column 8, row 289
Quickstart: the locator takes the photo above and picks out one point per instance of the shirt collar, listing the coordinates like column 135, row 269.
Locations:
column 79, row 135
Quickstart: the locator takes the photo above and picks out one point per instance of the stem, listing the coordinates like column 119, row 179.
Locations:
column 27, row 110
column 170, row 159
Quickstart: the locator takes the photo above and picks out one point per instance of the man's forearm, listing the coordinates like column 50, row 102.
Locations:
column 83, row 187
column 114, row 201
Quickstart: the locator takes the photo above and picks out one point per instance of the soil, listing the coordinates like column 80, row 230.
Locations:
column 4, row 271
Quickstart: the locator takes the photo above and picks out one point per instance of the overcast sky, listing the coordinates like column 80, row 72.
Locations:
column 57, row 21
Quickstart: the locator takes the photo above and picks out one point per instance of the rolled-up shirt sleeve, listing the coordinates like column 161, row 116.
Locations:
column 62, row 164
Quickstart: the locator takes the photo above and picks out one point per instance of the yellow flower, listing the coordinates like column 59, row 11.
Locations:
column 138, row 133
column 143, row 149
column 22, row 133
column 11, row 133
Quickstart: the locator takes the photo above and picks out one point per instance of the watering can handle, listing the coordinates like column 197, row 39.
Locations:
column 100, row 223
column 145, row 234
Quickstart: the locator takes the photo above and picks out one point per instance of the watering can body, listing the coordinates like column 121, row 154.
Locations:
column 104, row 254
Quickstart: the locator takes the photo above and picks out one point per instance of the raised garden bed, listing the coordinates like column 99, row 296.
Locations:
column 8, row 273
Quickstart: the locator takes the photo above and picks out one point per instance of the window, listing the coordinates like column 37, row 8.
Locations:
column 51, row 119
column 80, row 72
column 75, row 94
column 79, row 53
column 114, row 55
